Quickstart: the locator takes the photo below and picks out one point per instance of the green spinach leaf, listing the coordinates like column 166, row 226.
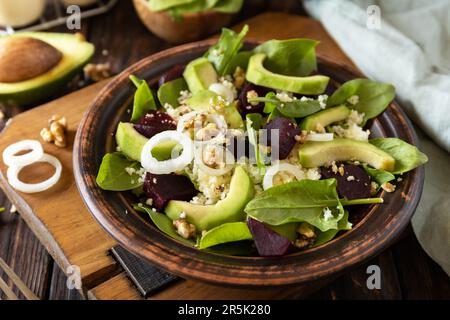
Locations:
column 293, row 57
column 227, row 232
column 240, row 60
column 407, row 156
column 143, row 99
column 223, row 52
column 326, row 236
column 373, row 97
column 253, row 124
column 161, row 5
column 293, row 109
column 227, row 6
column 163, row 223
column 113, row 175
column 169, row 92
column 378, row 175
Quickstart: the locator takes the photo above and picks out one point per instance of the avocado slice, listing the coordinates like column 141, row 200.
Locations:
column 325, row 117
column 131, row 142
column 258, row 74
column 201, row 101
column 199, row 75
column 76, row 52
column 230, row 209
column 316, row 154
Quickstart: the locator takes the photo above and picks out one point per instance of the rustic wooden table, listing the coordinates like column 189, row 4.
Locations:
column 407, row 272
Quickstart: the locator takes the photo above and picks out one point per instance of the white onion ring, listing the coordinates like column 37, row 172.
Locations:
column 10, row 159
column 152, row 165
column 319, row 137
column 273, row 170
column 13, row 176
column 222, row 91
column 214, row 118
column 229, row 161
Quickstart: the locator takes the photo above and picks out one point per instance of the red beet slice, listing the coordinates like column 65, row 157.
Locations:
column 287, row 131
column 354, row 184
column 267, row 241
column 240, row 147
column 244, row 106
column 173, row 73
column 162, row 188
column 153, row 123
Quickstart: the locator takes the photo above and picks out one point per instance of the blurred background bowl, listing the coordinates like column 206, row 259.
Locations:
column 191, row 27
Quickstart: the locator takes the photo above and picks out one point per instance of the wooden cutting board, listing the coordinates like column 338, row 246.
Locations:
column 61, row 221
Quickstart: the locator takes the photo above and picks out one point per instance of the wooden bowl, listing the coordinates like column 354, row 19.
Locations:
column 193, row 26
column 377, row 227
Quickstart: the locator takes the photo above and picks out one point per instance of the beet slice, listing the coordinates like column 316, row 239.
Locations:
column 244, row 106
column 240, row 146
column 287, row 131
column 153, row 123
column 268, row 242
column 354, row 184
column 173, row 73
column 162, row 188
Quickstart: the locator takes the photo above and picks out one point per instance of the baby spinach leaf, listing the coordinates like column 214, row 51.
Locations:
column 374, row 97
column 227, row 6
column 407, row 156
column 253, row 124
column 287, row 230
column 378, row 175
column 112, row 174
column 293, row 109
column 293, row 57
column 163, row 223
column 240, row 60
column 160, row 5
column 169, row 92
column 223, row 52
column 143, row 99
column 227, row 232
column 299, row 201
column 326, row 236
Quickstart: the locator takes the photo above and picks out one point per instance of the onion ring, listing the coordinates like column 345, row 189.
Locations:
column 229, row 161
column 222, row 91
column 319, row 137
column 154, row 166
column 10, row 159
column 13, row 176
column 273, row 170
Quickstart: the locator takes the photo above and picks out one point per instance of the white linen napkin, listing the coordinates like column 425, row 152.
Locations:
column 409, row 48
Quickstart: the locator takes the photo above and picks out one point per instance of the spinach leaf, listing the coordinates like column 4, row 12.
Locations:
column 227, row 232
column 299, row 201
column 293, row 109
column 328, row 235
column 163, row 223
column 112, row 174
column 222, row 53
column 143, row 99
column 253, row 124
column 160, row 5
column 227, row 6
column 287, row 230
column 240, row 60
column 374, row 97
column 378, row 175
column 407, row 156
column 293, row 57
column 169, row 92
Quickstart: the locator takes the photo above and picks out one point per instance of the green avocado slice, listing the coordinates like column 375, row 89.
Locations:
column 76, row 53
column 199, row 75
column 315, row 154
column 258, row 74
column 325, row 117
column 230, row 209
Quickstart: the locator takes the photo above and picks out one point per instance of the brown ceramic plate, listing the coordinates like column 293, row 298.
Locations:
column 376, row 228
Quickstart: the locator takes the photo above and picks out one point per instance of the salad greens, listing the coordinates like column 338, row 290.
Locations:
column 373, row 97
column 328, row 235
column 117, row 173
column 295, row 57
column 169, row 92
column 222, row 54
column 407, row 157
column 225, row 233
column 253, row 124
column 297, row 108
column 143, row 99
column 380, row 176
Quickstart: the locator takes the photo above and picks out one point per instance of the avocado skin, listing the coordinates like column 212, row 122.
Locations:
column 258, row 74
column 316, row 154
column 48, row 88
column 325, row 117
column 230, row 209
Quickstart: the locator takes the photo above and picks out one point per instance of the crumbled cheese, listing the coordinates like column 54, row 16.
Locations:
column 149, row 202
column 322, row 100
column 284, row 96
column 183, row 215
column 334, row 167
column 252, row 94
column 350, row 178
column 388, row 187
column 305, row 99
column 239, row 77
column 184, row 95
column 130, row 170
column 154, row 180
column 327, row 214
column 355, row 117
column 353, row 100
column 373, row 187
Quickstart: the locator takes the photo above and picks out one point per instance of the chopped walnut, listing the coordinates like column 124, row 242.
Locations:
column 306, row 237
column 320, row 128
column 388, row 187
column 301, row 137
column 239, row 77
column 373, row 187
column 341, row 170
column 97, row 72
column 251, row 95
column 57, row 131
column 184, row 228
column 334, row 167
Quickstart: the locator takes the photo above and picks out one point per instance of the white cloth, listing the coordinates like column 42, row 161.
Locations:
column 410, row 50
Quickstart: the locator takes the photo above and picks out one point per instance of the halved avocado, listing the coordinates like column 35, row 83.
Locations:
column 315, row 154
column 131, row 142
column 199, row 75
column 230, row 209
column 201, row 101
column 75, row 53
column 258, row 74
column 325, row 117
